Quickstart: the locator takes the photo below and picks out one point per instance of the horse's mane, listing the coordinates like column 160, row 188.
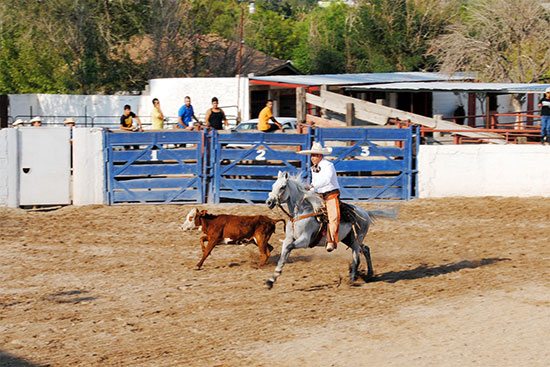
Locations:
column 310, row 196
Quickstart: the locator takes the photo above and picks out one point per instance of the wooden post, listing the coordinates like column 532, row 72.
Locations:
column 487, row 111
column 350, row 113
column 301, row 104
column 437, row 118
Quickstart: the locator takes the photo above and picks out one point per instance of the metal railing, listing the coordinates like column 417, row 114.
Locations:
column 113, row 122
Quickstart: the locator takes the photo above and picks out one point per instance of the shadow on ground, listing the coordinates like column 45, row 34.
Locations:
column 425, row 271
column 7, row 360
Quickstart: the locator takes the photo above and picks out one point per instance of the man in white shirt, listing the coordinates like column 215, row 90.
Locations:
column 325, row 182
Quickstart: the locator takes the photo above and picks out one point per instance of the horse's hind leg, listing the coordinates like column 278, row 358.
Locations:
column 366, row 253
column 356, row 259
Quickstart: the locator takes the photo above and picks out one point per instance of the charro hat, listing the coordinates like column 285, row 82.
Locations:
column 18, row 122
column 70, row 120
column 316, row 148
column 35, row 119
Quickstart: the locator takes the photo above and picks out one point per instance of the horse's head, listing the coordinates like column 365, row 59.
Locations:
column 279, row 193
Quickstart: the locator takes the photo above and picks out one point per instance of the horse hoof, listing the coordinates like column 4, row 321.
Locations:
column 269, row 284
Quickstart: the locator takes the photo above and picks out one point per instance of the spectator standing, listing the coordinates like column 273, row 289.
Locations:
column 157, row 117
column 266, row 114
column 127, row 120
column 36, row 121
column 186, row 115
column 70, row 122
column 215, row 116
column 544, row 105
column 18, row 122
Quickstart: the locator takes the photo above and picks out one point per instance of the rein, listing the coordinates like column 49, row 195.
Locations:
column 292, row 219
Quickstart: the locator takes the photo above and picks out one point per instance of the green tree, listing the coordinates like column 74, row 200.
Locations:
column 394, row 35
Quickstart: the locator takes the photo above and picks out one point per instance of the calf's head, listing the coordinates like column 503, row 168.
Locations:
column 192, row 220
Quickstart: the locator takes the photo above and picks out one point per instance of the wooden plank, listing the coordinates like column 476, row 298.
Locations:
column 336, row 106
column 157, row 169
column 264, row 138
column 370, row 193
column 365, row 110
column 156, row 155
column 240, row 184
column 156, row 196
column 164, row 137
column 370, row 166
column 378, row 134
column 250, row 196
column 369, row 181
column 361, row 151
column 261, row 154
column 256, row 171
column 321, row 122
column 156, row 183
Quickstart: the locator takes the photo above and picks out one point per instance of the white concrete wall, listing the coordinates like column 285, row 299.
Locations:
column 4, row 167
column 9, row 168
column 88, row 166
column 76, row 106
column 483, row 170
column 171, row 93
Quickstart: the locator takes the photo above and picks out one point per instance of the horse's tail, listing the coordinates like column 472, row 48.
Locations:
column 386, row 213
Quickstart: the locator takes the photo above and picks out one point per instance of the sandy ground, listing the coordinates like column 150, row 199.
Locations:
column 459, row 282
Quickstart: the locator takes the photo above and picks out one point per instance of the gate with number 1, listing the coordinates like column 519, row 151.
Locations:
column 245, row 165
column 163, row 168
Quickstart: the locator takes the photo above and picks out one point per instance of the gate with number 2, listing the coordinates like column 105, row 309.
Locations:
column 245, row 165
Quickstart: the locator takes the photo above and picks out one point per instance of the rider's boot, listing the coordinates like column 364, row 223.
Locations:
column 330, row 246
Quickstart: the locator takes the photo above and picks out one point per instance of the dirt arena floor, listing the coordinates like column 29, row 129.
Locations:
column 459, row 282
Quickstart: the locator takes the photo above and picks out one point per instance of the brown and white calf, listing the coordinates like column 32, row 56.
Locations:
column 232, row 229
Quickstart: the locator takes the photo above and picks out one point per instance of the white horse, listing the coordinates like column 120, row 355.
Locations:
column 303, row 226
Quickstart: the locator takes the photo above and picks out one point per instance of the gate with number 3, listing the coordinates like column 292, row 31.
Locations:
column 373, row 163
column 245, row 165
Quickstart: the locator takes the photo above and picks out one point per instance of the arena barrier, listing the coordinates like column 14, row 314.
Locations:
column 155, row 167
column 196, row 167
column 375, row 163
column 245, row 165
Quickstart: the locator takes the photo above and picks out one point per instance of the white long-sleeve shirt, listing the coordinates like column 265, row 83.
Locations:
column 326, row 179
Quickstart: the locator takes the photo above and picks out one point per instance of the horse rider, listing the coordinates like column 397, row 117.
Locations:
column 325, row 182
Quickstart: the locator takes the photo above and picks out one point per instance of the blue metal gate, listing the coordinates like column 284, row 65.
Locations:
column 155, row 167
column 183, row 166
column 373, row 163
column 245, row 165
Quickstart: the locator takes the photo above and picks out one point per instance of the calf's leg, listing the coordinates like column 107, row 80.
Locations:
column 211, row 243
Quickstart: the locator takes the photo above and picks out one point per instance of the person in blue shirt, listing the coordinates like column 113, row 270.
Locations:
column 186, row 114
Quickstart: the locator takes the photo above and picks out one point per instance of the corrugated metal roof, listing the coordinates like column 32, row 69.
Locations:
column 453, row 87
column 351, row 79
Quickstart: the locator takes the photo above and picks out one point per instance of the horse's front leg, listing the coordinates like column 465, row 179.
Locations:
column 288, row 246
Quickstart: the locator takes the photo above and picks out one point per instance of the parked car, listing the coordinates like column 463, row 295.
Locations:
column 289, row 123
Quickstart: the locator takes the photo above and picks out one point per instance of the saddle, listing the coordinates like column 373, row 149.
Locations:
column 346, row 215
